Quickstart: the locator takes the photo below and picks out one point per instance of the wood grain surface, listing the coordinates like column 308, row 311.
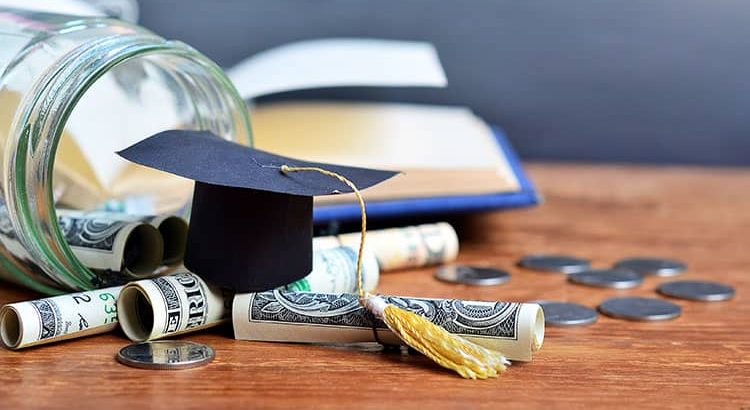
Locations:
column 700, row 360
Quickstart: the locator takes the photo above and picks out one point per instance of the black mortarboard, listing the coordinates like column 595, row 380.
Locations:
column 250, row 225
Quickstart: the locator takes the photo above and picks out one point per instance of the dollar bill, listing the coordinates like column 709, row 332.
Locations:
column 134, row 248
column 403, row 248
column 173, row 229
column 169, row 305
column 36, row 322
column 335, row 270
column 515, row 329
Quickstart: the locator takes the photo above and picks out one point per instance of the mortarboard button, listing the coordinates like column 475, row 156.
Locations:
column 250, row 224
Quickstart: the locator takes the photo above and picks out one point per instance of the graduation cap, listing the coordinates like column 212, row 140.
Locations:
column 250, row 225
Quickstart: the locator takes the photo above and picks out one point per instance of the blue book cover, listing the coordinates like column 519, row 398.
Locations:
column 442, row 205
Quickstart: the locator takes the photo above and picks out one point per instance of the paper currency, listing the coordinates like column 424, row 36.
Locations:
column 515, row 329
column 335, row 271
column 402, row 248
column 169, row 305
column 133, row 248
column 36, row 322
column 173, row 229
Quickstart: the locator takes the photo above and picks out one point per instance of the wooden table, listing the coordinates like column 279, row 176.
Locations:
column 701, row 360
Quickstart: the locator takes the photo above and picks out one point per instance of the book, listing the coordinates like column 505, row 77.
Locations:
column 451, row 159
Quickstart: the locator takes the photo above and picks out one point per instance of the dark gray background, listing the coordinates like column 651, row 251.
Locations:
column 627, row 80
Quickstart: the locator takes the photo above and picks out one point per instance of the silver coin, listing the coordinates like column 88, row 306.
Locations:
column 554, row 263
column 567, row 314
column 472, row 275
column 697, row 290
column 652, row 266
column 166, row 354
column 641, row 309
column 607, row 278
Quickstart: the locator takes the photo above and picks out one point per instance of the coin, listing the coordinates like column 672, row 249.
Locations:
column 652, row 266
column 554, row 263
column 637, row 308
column 607, row 278
column 472, row 275
column 567, row 314
column 697, row 290
column 166, row 355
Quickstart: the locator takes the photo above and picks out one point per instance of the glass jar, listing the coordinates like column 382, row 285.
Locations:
column 128, row 79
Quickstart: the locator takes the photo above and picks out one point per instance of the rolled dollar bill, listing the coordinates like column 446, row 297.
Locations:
column 133, row 248
column 169, row 305
column 514, row 329
column 335, row 271
column 36, row 322
column 173, row 229
column 402, row 248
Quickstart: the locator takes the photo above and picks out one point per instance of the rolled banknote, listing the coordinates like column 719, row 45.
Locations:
column 133, row 248
column 169, row 305
column 402, row 248
column 181, row 303
column 173, row 229
column 36, row 322
column 335, row 271
column 514, row 329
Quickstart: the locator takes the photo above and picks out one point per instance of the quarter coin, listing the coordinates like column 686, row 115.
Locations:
column 640, row 309
column 607, row 278
column 554, row 263
column 166, row 355
column 652, row 266
column 567, row 314
column 472, row 275
column 697, row 290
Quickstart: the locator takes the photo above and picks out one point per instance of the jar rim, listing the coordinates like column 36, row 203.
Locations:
column 29, row 182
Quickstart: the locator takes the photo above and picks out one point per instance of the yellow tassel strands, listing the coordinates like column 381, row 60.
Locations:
column 453, row 352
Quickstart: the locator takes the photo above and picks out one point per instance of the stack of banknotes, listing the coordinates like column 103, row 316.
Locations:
column 320, row 308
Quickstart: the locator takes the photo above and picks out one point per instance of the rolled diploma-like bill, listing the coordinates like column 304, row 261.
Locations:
column 173, row 229
column 134, row 248
column 169, row 305
column 514, row 329
column 335, row 271
column 36, row 322
column 402, row 248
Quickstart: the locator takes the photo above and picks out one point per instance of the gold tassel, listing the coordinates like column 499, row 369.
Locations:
column 451, row 351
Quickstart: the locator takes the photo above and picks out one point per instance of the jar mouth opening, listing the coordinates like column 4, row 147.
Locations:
column 29, row 186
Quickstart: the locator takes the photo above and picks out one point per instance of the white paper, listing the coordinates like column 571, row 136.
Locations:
column 338, row 63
